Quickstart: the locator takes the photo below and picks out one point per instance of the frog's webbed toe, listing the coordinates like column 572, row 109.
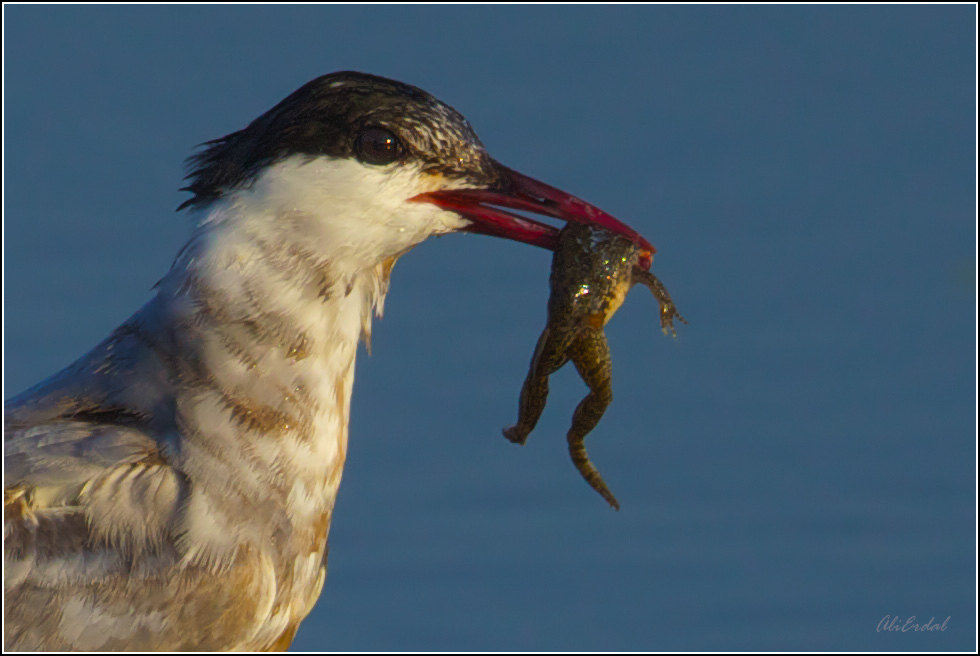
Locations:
column 668, row 311
column 590, row 353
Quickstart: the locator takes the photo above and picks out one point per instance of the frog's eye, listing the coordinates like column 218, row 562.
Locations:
column 378, row 146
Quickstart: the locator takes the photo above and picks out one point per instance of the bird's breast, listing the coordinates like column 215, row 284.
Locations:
column 262, row 414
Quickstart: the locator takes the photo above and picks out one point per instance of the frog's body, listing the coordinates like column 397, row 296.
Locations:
column 591, row 273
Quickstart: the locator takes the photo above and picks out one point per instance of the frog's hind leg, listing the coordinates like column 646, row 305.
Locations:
column 590, row 353
column 550, row 355
column 668, row 311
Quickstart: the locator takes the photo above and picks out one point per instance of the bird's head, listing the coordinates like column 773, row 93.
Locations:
column 375, row 166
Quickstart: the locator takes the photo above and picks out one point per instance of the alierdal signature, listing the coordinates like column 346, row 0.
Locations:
column 895, row 623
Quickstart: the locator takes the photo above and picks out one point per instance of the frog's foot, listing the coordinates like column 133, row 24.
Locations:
column 516, row 434
column 668, row 312
column 576, row 448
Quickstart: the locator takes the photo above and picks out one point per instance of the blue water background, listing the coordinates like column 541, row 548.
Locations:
column 799, row 463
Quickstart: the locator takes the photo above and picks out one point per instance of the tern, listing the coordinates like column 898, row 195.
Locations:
column 173, row 488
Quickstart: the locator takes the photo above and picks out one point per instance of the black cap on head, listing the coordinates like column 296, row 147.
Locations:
column 326, row 117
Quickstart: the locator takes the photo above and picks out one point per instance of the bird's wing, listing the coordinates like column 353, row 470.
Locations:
column 92, row 550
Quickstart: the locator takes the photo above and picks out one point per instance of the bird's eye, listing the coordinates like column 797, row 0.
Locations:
column 378, row 146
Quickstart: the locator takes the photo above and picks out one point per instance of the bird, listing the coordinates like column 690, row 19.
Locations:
column 173, row 488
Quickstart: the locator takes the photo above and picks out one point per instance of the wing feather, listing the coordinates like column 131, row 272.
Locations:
column 91, row 560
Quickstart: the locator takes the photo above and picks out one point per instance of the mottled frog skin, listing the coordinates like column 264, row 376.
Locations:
column 591, row 273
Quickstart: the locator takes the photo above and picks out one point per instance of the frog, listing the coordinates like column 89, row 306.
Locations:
column 592, row 270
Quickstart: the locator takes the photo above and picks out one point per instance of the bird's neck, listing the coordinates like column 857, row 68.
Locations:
column 264, row 326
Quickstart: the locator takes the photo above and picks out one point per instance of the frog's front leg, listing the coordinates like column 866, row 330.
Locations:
column 668, row 311
column 550, row 355
column 590, row 353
